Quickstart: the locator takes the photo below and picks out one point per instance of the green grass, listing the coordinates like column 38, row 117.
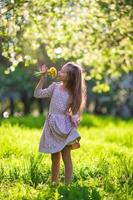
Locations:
column 103, row 166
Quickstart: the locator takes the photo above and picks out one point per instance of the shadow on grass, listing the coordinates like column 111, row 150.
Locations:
column 102, row 120
column 87, row 121
column 76, row 192
column 25, row 121
column 69, row 192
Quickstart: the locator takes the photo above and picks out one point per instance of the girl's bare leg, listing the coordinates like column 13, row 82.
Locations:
column 55, row 157
column 66, row 157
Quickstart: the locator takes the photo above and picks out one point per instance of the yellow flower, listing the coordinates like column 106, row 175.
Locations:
column 52, row 72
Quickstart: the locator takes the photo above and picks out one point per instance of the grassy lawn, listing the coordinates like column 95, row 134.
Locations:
column 103, row 166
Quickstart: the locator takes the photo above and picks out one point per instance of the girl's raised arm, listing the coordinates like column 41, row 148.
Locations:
column 47, row 92
column 43, row 93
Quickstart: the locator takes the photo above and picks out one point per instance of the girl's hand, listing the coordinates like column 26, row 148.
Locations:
column 43, row 68
column 75, row 120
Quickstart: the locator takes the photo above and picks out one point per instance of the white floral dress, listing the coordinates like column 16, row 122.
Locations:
column 58, row 130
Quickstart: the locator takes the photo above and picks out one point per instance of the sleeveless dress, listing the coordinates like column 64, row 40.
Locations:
column 58, row 130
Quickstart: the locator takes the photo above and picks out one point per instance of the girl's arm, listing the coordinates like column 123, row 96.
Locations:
column 42, row 93
column 43, row 68
column 75, row 119
column 40, row 83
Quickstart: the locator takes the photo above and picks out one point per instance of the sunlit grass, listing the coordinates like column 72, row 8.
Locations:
column 103, row 166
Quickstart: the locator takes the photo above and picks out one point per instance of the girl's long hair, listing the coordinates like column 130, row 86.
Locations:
column 77, row 88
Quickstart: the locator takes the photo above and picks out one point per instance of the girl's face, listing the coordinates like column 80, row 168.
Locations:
column 62, row 74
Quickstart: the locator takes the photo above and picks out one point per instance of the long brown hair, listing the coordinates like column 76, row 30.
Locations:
column 77, row 88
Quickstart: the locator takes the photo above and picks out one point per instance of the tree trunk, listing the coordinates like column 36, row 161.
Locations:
column 40, row 102
column 12, row 106
column 26, row 102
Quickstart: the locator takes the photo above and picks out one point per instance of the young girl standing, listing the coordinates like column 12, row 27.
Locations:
column 60, row 135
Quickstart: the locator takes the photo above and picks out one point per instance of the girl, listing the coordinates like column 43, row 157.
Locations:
column 60, row 135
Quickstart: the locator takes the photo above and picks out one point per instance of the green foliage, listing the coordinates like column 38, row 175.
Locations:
column 16, row 82
column 95, row 34
column 104, row 171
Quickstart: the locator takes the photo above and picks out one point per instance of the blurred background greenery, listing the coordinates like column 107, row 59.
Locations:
column 95, row 34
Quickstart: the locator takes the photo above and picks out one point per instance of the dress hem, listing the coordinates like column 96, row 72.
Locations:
column 42, row 150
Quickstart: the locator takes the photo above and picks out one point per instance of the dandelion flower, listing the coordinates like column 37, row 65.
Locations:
column 51, row 72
